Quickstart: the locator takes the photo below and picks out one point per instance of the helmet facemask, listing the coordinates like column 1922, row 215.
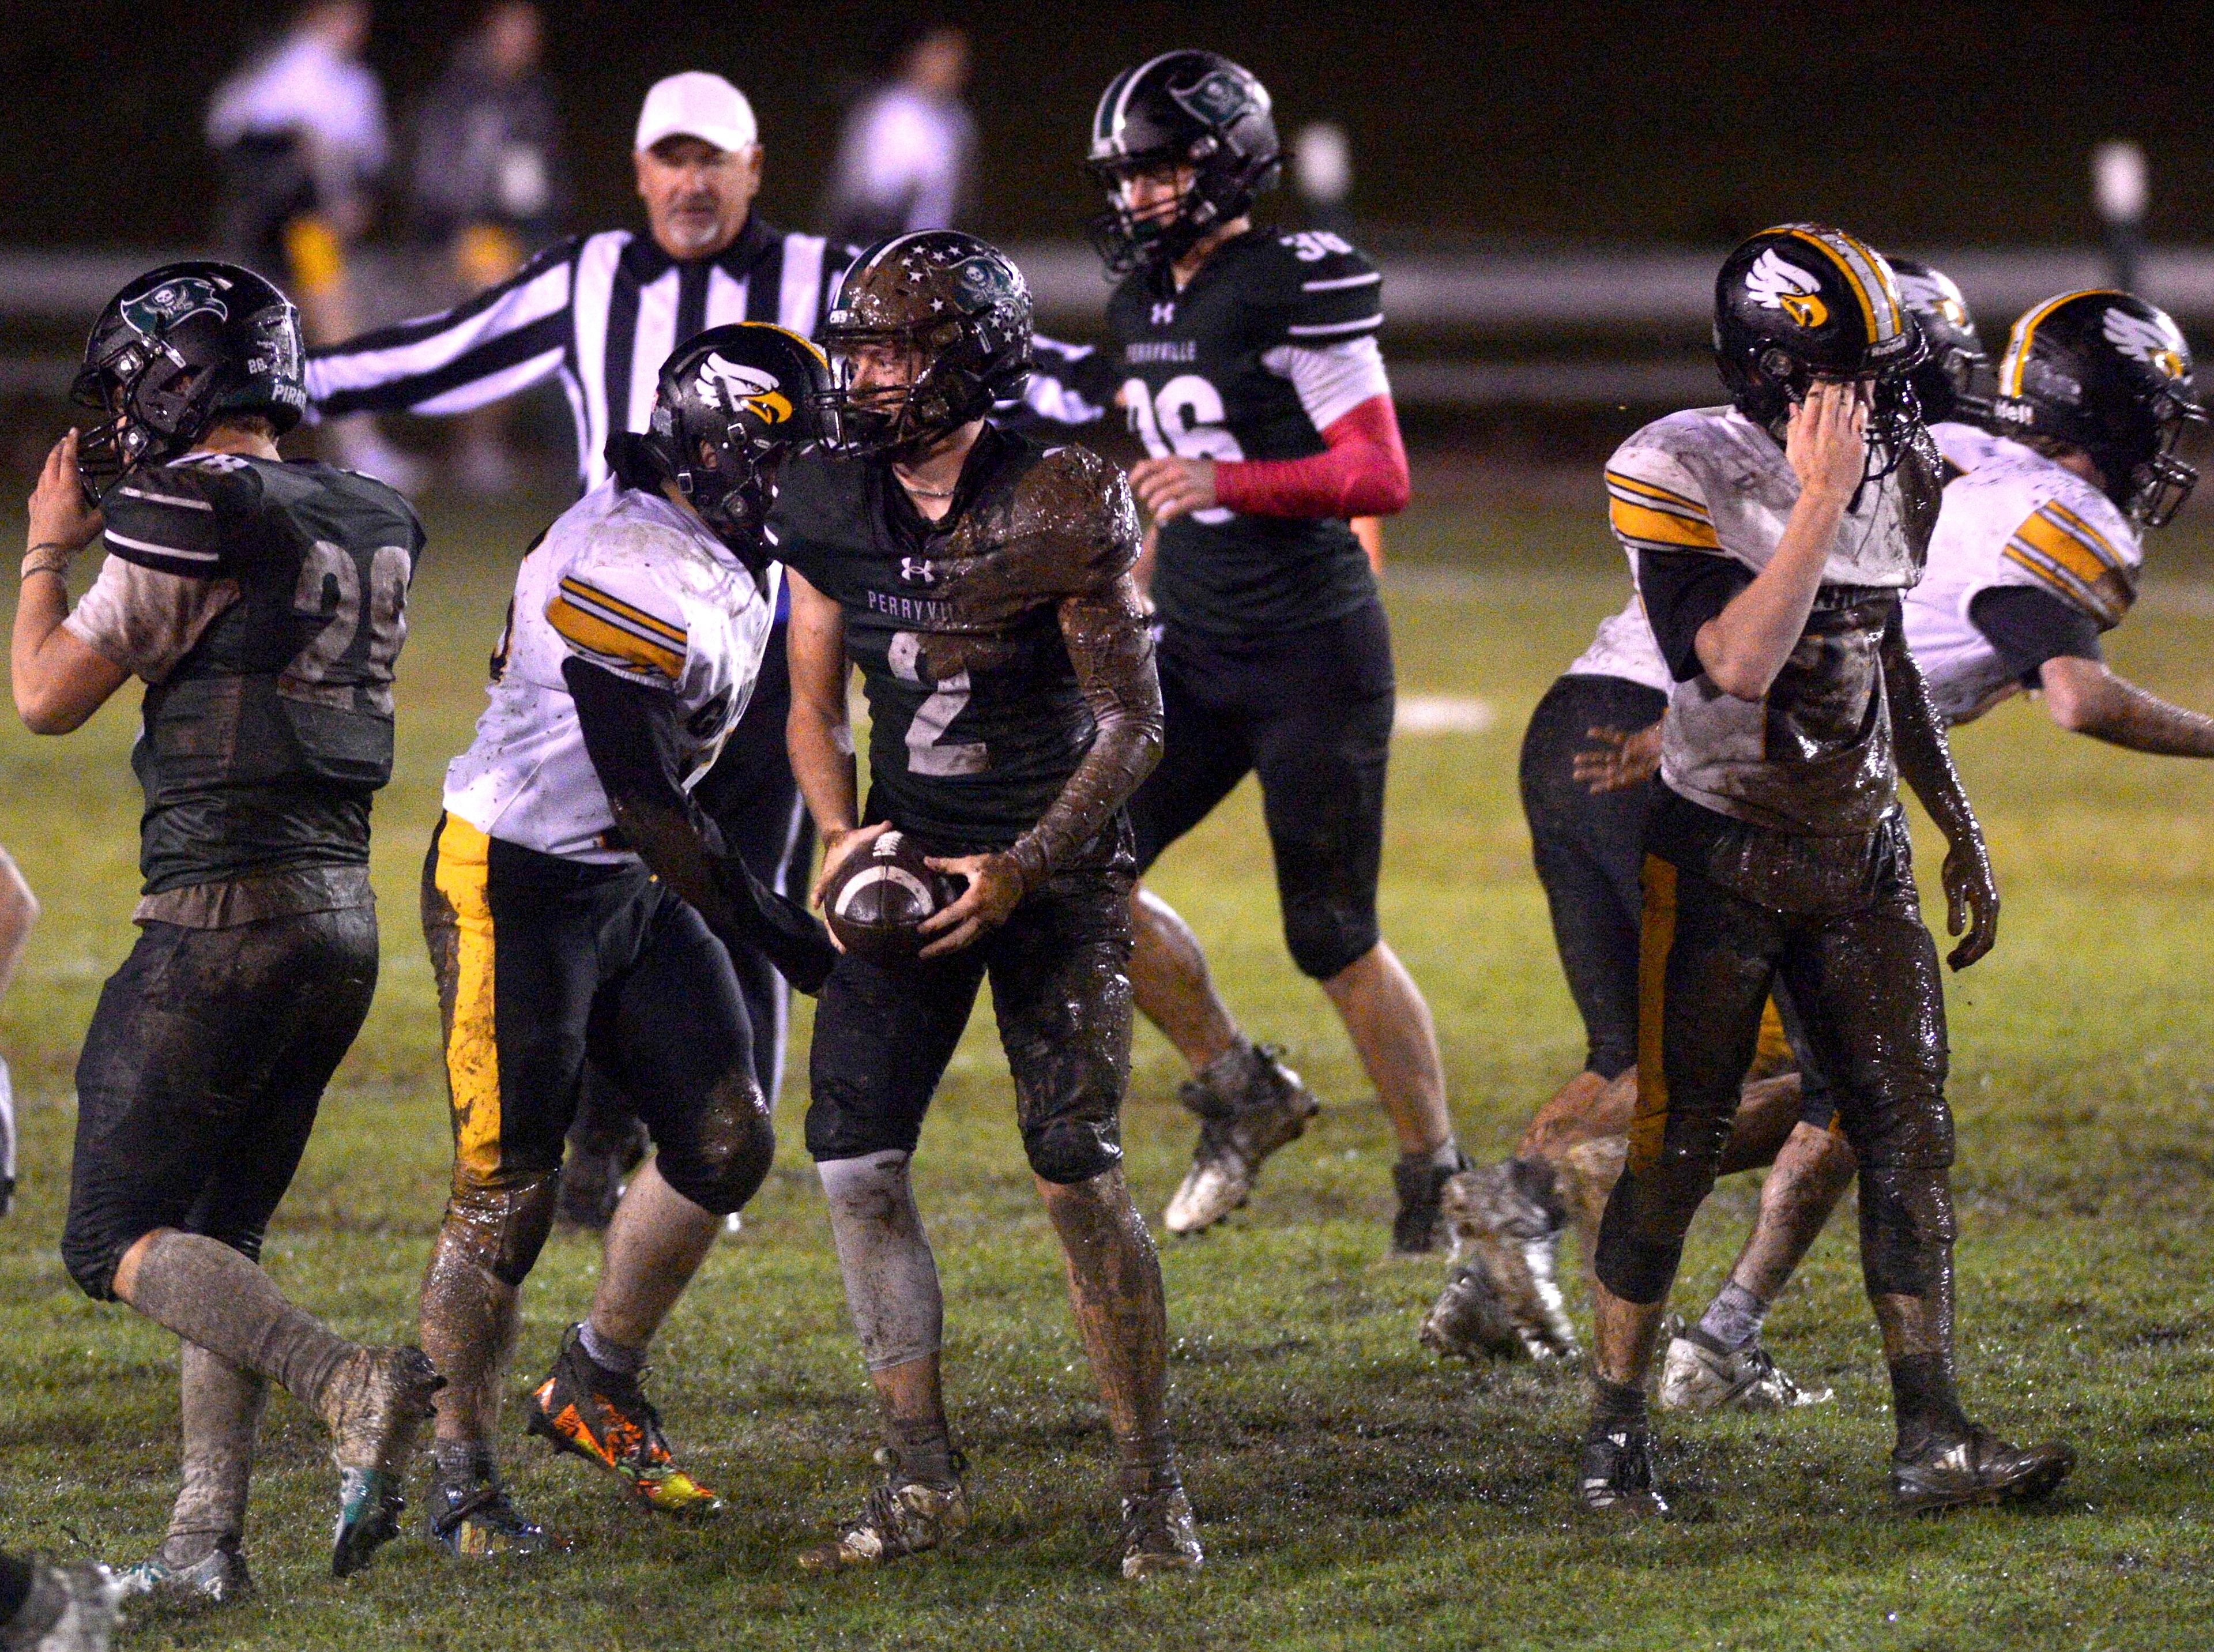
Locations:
column 156, row 407
column 898, row 419
column 1129, row 238
column 2158, row 485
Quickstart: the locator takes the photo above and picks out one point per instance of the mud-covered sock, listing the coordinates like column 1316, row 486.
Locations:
column 1925, row 1404
column 1447, row 1156
column 1734, row 1318
column 16, row 1577
column 610, row 1356
column 1617, row 1408
column 209, row 1294
column 924, row 1446
column 1231, row 1072
column 463, row 1464
column 1146, row 1466
column 222, row 1408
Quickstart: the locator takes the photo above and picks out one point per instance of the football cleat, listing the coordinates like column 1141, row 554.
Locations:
column 899, row 1517
column 602, row 1417
column 1158, row 1534
column 1700, row 1376
column 1615, row 1475
column 1980, row 1469
column 1243, row 1119
column 217, row 1578
column 1503, row 1301
column 1421, row 1182
column 478, row 1522
column 374, row 1405
column 69, row 1609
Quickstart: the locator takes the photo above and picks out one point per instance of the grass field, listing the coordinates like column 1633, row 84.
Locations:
column 1354, row 1491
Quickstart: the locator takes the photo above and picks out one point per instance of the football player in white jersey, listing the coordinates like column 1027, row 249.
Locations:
column 1775, row 540
column 578, row 901
column 1587, row 804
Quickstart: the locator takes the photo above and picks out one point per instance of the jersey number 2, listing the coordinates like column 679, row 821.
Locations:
column 928, row 751
column 1186, row 419
column 316, row 672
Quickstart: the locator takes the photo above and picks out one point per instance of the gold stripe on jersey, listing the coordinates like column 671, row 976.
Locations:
column 1646, row 517
column 472, row 1039
column 614, row 608
column 2071, row 556
column 1653, row 493
column 616, row 632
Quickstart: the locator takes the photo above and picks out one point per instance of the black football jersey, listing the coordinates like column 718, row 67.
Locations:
column 264, row 744
column 977, row 718
column 1193, row 369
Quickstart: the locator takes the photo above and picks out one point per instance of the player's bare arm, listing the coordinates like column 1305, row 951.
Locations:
column 2084, row 697
column 1925, row 763
column 1745, row 646
column 819, row 731
column 59, row 679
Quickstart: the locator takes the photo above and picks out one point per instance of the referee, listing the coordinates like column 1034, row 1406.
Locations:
column 603, row 312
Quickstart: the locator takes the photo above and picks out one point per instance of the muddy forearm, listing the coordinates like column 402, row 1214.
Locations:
column 1112, row 651
column 1925, row 759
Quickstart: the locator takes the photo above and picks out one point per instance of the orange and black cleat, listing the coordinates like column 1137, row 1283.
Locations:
column 601, row 1415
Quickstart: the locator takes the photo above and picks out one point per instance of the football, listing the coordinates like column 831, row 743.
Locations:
column 876, row 902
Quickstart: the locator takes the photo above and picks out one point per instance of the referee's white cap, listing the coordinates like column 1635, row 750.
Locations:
column 696, row 104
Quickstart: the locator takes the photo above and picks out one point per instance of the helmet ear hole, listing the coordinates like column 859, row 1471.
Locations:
column 1778, row 364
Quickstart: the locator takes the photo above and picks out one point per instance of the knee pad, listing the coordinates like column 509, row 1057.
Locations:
column 1640, row 1237
column 1906, row 1229
column 502, row 1227
column 1324, row 936
column 722, row 1155
column 1067, row 1151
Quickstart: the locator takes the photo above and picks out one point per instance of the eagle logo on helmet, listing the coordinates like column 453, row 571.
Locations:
column 1776, row 282
column 745, row 389
column 174, row 302
column 1217, row 99
column 2155, row 343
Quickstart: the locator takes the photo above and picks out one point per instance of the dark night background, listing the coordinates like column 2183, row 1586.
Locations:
column 1912, row 124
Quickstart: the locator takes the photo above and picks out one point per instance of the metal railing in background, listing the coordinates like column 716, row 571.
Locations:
column 1623, row 324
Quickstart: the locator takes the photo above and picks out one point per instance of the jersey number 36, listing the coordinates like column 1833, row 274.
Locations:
column 1186, row 419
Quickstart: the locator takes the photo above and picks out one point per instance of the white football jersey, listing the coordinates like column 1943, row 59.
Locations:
column 1624, row 647
column 638, row 586
column 1965, row 446
column 2016, row 519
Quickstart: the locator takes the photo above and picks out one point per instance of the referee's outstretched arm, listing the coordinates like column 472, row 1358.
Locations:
column 504, row 339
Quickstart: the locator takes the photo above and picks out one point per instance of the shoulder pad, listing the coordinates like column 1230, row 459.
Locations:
column 1656, row 484
column 611, row 608
column 187, row 517
column 2063, row 535
column 1313, row 287
column 1072, row 494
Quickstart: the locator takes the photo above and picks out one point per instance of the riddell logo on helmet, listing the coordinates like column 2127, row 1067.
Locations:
column 1778, row 284
column 748, row 389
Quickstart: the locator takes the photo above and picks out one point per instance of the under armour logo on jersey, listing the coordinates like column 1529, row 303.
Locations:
column 1779, row 284
column 917, row 570
column 1165, row 314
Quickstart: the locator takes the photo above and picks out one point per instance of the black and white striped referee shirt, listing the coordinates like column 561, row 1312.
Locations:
column 603, row 311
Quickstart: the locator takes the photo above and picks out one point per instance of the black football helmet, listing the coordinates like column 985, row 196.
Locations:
column 731, row 404
column 1803, row 302
column 2111, row 374
column 1194, row 109
column 173, row 352
column 1954, row 382
column 956, row 308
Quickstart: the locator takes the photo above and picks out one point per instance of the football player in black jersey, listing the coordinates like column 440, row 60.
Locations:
column 1246, row 362
column 263, row 603
column 984, row 586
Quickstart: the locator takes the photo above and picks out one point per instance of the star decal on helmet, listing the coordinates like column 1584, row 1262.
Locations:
column 1777, row 282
